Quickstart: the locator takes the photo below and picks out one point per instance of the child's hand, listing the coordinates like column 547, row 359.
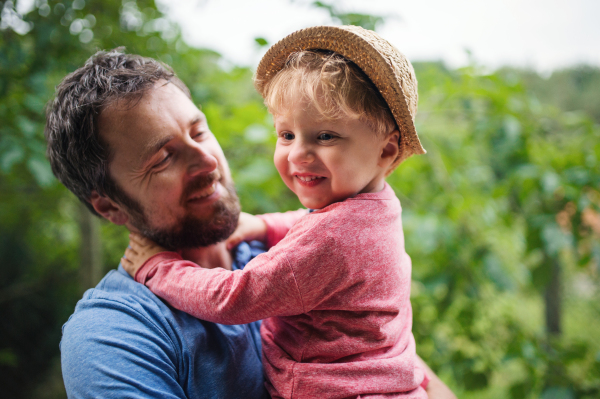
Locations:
column 249, row 228
column 140, row 249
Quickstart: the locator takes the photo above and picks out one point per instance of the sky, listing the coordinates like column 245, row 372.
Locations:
column 544, row 35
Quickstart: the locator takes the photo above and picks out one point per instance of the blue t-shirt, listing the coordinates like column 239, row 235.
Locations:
column 125, row 342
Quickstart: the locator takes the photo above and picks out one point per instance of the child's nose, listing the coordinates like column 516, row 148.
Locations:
column 300, row 153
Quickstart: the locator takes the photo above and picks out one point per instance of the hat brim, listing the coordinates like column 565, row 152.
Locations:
column 388, row 69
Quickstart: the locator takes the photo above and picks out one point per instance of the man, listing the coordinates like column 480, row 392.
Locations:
column 124, row 136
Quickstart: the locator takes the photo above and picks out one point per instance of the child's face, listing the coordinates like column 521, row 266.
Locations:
column 326, row 161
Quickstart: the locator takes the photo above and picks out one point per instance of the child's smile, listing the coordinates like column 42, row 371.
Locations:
column 308, row 180
column 325, row 161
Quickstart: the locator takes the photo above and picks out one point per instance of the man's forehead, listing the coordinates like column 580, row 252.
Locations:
column 141, row 126
column 156, row 104
column 130, row 103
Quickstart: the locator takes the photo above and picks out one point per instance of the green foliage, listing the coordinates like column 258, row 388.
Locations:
column 510, row 188
column 261, row 41
column 572, row 89
column 367, row 21
column 499, row 199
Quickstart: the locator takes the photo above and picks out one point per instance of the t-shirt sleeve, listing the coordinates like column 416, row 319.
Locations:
column 278, row 224
column 128, row 357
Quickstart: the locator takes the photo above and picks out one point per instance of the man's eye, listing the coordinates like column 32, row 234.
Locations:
column 197, row 135
column 325, row 136
column 162, row 161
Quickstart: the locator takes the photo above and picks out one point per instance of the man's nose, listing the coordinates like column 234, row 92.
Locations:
column 301, row 153
column 200, row 160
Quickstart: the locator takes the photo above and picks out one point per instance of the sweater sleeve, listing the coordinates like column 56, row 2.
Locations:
column 278, row 224
column 266, row 287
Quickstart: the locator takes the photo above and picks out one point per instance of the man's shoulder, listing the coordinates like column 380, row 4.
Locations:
column 119, row 288
column 116, row 304
column 117, row 326
column 119, row 294
column 120, row 329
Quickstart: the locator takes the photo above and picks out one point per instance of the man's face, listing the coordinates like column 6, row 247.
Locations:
column 170, row 165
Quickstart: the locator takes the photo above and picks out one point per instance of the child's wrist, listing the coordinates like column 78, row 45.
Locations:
column 144, row 271
column 262, row 233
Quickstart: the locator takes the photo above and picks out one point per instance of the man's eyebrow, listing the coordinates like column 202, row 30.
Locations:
column 153, row 147
column 199, row 118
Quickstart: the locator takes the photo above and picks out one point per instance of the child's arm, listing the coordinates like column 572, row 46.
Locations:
column 249, row 228
column 266, row 287
column 269, row 228
column 140, row 249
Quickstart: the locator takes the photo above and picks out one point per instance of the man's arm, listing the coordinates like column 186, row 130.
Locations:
column 109, row 349
column 436, row 389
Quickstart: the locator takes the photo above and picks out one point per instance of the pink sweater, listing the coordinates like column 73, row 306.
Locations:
column 334, row 293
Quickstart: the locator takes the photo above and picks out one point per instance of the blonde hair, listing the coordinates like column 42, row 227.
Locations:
column 335, row 86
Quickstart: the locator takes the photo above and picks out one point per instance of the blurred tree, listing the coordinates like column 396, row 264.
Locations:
column 492, row 213
column 569, row 89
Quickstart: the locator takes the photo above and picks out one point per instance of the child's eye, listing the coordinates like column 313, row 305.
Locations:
column 287, row 136
column 325, row 137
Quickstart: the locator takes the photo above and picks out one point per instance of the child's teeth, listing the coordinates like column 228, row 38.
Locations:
column 308, row 178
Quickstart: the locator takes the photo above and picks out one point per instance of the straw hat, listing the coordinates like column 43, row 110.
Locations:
column 388, row 69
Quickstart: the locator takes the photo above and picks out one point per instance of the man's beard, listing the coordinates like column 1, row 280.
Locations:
column 191, row 231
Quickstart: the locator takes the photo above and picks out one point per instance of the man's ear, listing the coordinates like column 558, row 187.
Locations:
column 390, row 149
column 108, row 209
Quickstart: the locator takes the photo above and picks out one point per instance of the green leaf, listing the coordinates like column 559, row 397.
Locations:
column 257, row 172
column 558, row 393
column 10, row 157
column 257, row 134
column 41, row 171
column 261, row 41
column 554, row 239
column 27, row 127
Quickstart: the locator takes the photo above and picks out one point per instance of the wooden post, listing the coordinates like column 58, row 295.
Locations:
column 553, row 298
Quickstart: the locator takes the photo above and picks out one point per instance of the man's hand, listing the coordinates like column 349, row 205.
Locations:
column 140, row 249
column 436, row 389
column 249, row 228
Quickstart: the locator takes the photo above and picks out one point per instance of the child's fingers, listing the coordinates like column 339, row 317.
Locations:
column 130, row 253
column 128, row 266
column 139, row 240
column 140, row 243
column 233, row 240
column 126, row 263
column 135, row 246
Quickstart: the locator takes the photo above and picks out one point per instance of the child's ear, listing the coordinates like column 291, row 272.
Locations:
column 390, row 149
column 108, row 209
